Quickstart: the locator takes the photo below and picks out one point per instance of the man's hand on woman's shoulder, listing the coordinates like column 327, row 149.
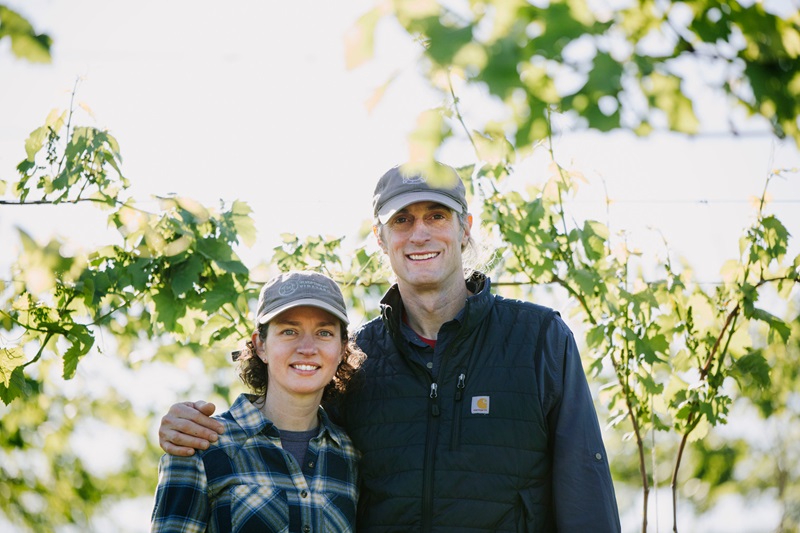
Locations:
column 187, row 427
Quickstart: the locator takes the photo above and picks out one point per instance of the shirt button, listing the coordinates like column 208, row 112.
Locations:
column 304, row 494
column 429, row 365
column 306, row 529
column 598, row 456
column 311, row 464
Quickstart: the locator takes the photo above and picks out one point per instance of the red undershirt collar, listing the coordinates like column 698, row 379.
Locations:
column 429, row 342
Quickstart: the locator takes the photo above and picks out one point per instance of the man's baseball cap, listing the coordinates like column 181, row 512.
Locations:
column 298, row 288
column 397, row 189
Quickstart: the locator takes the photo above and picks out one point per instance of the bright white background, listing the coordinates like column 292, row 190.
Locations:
column 250, row 100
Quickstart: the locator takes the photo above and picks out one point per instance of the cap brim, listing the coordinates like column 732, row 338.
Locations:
column 400, row 201
column 263, row 319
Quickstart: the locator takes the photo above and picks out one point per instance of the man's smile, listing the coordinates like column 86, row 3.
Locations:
column 422, row 257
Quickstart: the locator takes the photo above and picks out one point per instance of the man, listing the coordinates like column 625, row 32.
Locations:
column 474, row 413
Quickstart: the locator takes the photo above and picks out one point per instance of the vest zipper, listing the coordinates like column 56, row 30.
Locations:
column 454, row 438
column 434, row 399
column 430, row 452
column 432, row 440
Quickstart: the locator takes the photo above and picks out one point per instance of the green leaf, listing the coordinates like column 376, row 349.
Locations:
column 139, row 272
column 776, row 325
column 214, row 249
column 446, row 41
column 25, row 42
column 10, row 359
column 514, row 238
column 185, row 274
column 700, row 430
column 776, row 236
column 659, row 343
column 649, row 348
column 168, row 309
column 595, row 336
column 650, row 384
column 14, row 386
column 587, row 279
column 666, row 94
column 222, row 293
column 754, row 366
column 221, row 253
column 82, row 341
column 232, row 266
column 35, row 141
column 243, row 223
column 594, row 236
column 360, row 39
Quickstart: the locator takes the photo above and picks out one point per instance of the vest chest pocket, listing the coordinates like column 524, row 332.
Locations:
column 498, row 407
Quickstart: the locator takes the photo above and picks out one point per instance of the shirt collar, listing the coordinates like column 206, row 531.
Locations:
column 252, row 421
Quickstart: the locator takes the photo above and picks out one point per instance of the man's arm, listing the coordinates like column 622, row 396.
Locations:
column 187, row 427
column 182, row 500
column 583, row 491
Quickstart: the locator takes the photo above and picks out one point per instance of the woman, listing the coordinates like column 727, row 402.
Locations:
column 280, row 465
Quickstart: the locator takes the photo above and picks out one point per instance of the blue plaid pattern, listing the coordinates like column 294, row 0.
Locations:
column 247, row 482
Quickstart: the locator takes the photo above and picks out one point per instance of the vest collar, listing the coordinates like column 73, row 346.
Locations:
column 475, row 308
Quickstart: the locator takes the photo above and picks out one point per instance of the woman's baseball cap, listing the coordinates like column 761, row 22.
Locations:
column 298, row 288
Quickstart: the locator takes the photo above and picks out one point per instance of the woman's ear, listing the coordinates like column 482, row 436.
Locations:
column 258, row 344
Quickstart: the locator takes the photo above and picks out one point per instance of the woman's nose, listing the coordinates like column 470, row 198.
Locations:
column 307, row 344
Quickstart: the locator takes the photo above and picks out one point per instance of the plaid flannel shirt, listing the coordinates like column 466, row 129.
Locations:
column 247, row 482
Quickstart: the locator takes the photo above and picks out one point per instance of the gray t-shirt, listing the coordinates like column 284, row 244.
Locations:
column 296, row 442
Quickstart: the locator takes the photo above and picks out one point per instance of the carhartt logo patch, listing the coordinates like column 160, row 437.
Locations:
column 480, row 405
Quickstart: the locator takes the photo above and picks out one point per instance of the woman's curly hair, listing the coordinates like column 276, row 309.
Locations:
column 253, row 371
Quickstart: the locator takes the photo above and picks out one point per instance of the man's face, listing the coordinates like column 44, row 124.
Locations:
column 424, row 243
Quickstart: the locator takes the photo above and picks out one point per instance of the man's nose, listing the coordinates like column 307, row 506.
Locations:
column 419, row 231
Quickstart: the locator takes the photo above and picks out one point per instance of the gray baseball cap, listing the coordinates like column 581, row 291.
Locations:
column 397, row 189
column 295, row 289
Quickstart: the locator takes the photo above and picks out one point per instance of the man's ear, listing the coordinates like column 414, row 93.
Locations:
column 377, row 233
column 467, row 231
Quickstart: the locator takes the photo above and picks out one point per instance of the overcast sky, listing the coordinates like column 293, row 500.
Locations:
column 250, row 100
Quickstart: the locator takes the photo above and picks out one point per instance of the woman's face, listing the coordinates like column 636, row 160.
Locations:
column 302, row 350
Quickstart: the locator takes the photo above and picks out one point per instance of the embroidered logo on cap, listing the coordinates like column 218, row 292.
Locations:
column 413, row 180
column 287, row 288
column 480, row 405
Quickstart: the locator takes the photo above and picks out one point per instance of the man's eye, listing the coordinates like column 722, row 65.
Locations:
column 400, row 220
column 325, row 333
column 288, row 332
